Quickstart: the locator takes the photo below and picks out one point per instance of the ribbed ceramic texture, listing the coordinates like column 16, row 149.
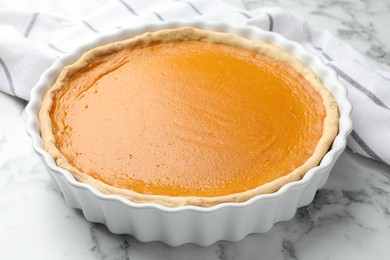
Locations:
column 191, row 224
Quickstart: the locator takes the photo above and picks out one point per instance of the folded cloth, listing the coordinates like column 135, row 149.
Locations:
column 31, row 42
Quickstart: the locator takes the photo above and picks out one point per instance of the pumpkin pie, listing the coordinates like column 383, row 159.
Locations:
column 188, row 117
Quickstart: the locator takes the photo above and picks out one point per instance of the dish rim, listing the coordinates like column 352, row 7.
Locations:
column 247, row 31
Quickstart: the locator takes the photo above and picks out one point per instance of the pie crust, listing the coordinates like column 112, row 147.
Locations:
column 330, row 126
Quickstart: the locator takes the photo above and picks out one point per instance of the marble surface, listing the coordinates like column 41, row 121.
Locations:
column 348, row 219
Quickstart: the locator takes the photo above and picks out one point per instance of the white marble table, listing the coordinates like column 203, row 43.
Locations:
column 349, row 218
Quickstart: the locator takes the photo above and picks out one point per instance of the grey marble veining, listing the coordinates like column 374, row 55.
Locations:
column 348, row 219
column 362, row 23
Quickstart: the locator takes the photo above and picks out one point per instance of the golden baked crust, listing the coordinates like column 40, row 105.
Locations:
column 330, row 127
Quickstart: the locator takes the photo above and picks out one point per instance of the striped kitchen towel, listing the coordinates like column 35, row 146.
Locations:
column 31, row 42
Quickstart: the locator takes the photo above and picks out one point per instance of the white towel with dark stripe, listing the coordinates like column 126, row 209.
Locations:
column 31, row 42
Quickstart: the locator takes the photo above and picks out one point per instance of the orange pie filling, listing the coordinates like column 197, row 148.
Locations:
column 187, row 118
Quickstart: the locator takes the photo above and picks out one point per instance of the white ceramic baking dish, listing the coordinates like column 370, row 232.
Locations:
column 191, row 224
